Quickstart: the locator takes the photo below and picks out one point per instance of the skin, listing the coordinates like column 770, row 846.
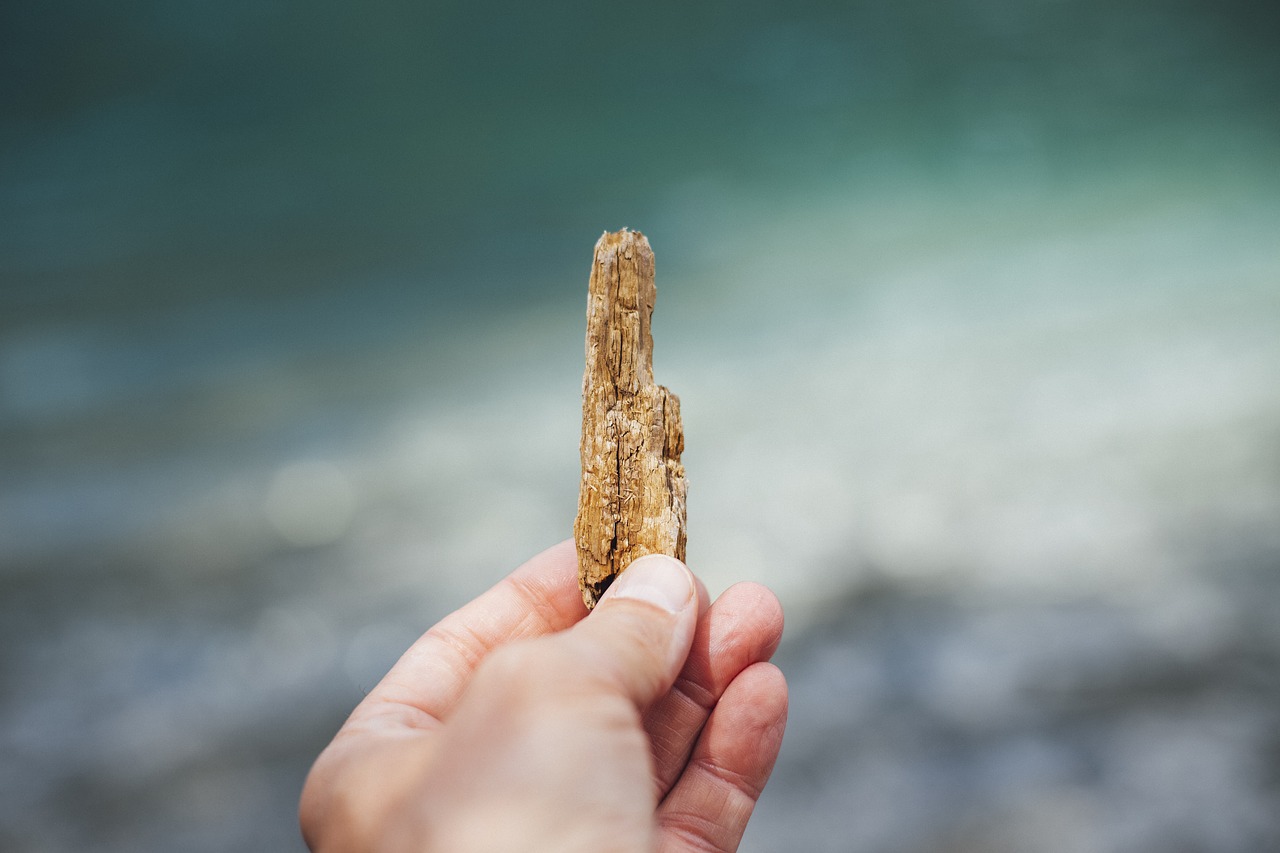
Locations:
column 521, row 723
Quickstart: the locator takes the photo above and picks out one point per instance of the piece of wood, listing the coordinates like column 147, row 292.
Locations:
column 632, row 497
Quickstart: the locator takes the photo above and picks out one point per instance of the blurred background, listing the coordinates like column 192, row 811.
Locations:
column 973, row 307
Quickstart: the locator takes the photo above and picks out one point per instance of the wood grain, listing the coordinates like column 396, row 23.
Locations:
column 632, row 497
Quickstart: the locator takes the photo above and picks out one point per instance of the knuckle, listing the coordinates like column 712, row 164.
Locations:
column 734, row 782
column 325, row 811
column 696, row 833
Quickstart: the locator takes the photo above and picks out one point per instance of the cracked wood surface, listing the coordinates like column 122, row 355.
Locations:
column 632, row 497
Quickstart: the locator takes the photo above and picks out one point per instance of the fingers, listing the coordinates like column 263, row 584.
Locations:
column 742, row 627
column 541, row 597
column 637, row 638
column 710, row 804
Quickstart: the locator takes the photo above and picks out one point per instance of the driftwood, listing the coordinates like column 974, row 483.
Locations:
column 632, row 497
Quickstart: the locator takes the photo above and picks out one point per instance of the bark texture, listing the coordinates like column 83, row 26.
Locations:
column 632, row 498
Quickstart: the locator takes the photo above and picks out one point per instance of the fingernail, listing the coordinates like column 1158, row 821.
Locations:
column 657, row 579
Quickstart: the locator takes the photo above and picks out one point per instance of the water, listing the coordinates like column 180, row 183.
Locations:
column 972, row 308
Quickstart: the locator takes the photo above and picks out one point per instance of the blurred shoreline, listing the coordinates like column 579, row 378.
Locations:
column 972, row 310
column 1093, row 458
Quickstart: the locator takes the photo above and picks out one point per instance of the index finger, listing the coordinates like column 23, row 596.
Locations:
column 541, row 597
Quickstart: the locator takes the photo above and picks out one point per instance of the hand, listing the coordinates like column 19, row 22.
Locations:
column 521, row 723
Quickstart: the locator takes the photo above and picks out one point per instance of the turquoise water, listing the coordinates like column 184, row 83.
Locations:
column 976, row 301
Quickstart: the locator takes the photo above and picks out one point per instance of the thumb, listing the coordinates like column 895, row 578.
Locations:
column 640, row 632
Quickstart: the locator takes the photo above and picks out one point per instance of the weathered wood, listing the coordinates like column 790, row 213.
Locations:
column 632, row 497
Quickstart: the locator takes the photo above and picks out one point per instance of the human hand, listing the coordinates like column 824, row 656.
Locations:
column 521, row 723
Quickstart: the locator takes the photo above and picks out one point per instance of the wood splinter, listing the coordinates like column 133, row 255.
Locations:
column 632, row 497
